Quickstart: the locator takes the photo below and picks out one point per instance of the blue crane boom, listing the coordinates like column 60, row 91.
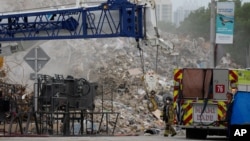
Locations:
column 114, row 18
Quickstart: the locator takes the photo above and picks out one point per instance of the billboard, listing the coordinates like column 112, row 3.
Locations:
column 224, row 22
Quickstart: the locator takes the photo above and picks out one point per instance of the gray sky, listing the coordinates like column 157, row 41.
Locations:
column 178, row 3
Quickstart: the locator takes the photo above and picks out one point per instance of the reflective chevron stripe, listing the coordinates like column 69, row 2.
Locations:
column 177, row 84
column 233, row 76
column 188, row 108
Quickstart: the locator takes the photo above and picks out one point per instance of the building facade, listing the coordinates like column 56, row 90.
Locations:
column 164, row 10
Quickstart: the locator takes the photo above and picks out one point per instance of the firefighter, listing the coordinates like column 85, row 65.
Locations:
column 168, row 115
column 229, row 111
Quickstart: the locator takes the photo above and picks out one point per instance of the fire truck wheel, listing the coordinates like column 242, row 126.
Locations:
column 196, row 134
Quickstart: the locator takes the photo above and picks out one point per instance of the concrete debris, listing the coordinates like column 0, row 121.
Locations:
column 117, row 66
column 152, row 131
column 135, row 71
column 118, row 72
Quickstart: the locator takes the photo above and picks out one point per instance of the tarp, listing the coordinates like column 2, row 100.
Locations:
column 241, row 108
column 193, row 83
column 196, row 82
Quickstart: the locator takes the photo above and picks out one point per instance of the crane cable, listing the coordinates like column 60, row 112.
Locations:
column 157, row 36
column 156, row 58
column 138, row 44
column 145, row 38
column 157, row 49
column 141, row 56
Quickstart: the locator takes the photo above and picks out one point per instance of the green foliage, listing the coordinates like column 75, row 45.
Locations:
column 197, row 24
column 241, row 34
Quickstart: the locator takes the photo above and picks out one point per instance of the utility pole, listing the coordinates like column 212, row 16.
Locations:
column 248, row 57
column 213, row 47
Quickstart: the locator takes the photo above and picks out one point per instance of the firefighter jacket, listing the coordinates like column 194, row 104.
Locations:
column 168, row 113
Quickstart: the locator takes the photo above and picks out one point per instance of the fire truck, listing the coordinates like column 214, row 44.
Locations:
column 200, row 99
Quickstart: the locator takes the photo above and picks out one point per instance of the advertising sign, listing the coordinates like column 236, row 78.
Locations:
column 224, row 23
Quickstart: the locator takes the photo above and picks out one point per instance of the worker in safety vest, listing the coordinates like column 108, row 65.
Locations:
column 168, row 115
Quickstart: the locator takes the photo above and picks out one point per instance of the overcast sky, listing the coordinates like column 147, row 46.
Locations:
column 178, row 3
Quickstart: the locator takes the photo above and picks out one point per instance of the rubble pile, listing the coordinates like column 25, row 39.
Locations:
column 116, row 65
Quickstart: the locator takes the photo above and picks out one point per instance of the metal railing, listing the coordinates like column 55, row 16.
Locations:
column 20, row 119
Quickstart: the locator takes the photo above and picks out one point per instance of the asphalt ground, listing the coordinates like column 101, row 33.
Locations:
column 112, row 138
